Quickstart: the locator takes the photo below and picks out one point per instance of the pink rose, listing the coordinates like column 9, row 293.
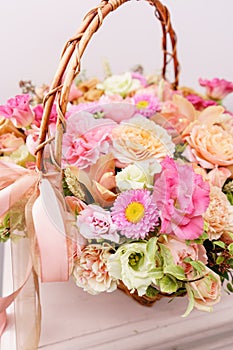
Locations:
column 182, row 198
column 17, row 109
column 38, row 110
column 180, row 251
column 216, row 88
column 206, row 291
column 86, row 139
column 95, row 223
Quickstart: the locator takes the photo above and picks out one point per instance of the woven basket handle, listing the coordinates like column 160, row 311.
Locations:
column 69, row 67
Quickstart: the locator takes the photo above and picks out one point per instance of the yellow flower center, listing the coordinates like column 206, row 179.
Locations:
column 134, row 212
column 142, row 104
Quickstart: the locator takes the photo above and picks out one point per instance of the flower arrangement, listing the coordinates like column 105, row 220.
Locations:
column 147, row 174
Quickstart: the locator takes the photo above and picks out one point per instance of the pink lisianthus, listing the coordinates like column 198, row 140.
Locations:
column 96, row 223
column 200, row 103
column 18, row 110
column 216, row 88
column 180, row 251
column 182, row 198
column 86, row 139
column 38, row 110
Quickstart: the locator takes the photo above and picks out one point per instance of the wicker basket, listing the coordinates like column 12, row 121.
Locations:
column 69, row 68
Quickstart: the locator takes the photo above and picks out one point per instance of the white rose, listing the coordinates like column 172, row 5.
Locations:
column 119, row 84
column 138, row 176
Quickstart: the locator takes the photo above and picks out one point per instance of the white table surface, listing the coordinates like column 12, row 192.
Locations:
column 75, row 320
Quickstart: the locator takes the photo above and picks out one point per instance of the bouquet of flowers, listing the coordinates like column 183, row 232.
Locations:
column 147, row 174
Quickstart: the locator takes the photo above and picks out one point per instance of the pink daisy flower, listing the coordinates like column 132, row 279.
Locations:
column 135, row 213
column 146, row 104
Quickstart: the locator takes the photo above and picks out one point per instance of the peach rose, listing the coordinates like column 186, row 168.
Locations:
column 10, row 143
column 210, row 143
column 180, row 250
column 139, row 139
column 206, row 291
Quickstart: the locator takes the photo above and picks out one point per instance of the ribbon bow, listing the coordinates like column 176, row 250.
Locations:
column 48, row 223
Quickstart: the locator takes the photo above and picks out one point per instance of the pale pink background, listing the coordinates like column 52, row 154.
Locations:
column 32, row 34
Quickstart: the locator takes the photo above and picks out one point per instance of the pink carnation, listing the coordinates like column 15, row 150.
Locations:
column 182, row 198
column 216, row 88
column 86, row 139
column 18, row 110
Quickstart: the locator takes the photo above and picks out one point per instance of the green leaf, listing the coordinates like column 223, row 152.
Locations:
column 230, row 287
column 6, row 221
column 220, row 259
column 203, row 237
column 198, row 266
column 230, row 197
column 230, row 248
column 230, row 234
column 220, row 244
column 191, row 301
column 168, row 284
column 151, row 246
column 166, row 255
column 176, row 271
column 152, row 292
column 157, row 273
column 230, row 262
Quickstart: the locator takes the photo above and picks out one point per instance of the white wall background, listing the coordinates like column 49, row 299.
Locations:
column 32, row 34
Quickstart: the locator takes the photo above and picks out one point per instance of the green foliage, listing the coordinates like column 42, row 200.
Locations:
column 166, row 255
column 152, row 292
column 5, row 229
column 191, row 301
column 176, row 271
column 65, row 187
column 219, row 244
column 168, row 284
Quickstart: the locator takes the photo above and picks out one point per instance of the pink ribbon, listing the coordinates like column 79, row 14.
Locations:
column 51, row 235
column 46, row 223
column 5, row 302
